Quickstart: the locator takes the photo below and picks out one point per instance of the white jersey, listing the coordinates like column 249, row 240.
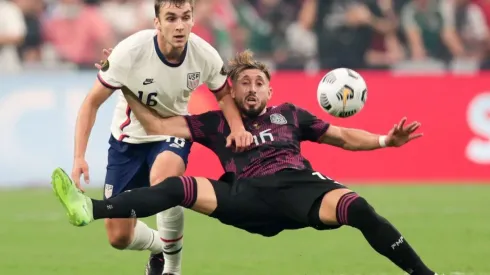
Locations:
column 138, row 64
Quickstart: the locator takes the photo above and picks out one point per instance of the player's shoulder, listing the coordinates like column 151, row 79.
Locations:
column 212, row 116
column 286, row 106
column 203, row 49
column 291, row 109
column 131, row 49
column 213, row 113
column 137, row 41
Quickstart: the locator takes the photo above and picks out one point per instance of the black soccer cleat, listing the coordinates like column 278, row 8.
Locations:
column 155, row 264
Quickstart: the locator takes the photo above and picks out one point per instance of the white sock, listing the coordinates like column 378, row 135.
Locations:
column 145, row 238
column 170, row 225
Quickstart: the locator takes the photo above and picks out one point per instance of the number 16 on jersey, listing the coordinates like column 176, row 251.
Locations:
column 149, row 100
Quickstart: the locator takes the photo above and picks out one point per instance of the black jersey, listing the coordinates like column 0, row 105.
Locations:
column 277, row 136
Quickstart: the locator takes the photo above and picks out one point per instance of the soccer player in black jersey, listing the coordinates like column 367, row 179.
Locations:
column 267, row 189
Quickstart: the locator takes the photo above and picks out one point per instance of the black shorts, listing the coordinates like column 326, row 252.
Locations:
column 289, row 199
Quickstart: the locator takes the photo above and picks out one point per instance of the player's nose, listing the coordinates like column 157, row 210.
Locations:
column 180, row 25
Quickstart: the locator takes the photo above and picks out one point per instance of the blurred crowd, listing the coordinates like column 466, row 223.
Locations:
column 288, row 34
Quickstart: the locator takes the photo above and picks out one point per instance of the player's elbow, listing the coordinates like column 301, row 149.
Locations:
column 88, row 107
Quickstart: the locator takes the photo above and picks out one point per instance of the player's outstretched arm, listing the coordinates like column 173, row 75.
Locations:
column 153, row 123
column 360, row 140
column 239, row 135
column 85, row 122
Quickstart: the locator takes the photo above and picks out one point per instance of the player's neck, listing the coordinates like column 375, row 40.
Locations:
column 172, row 54
column 259, row 115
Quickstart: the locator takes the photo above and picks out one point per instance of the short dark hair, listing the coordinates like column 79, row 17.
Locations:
column 177, row 3
column 245, row 61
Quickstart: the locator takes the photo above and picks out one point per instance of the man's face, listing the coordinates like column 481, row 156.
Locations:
column 175, row 23
column 251, row 92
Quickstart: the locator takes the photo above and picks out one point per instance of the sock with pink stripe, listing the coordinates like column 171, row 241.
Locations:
column 148, row 201
column 353, row 210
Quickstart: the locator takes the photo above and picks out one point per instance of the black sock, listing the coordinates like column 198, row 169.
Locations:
column 148, row 201
column 354, row 211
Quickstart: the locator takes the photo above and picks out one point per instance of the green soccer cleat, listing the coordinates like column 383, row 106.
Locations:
column 77, row 205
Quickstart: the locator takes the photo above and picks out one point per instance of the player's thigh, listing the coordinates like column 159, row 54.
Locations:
column 206, row 201
column 168, row 158
column 240, row 206
column 126, row 170
column 328, row 206
column 126, row 167
column 301, row 195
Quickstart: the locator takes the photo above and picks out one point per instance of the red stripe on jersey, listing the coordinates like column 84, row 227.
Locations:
column 128, row 119
column 125, row 123
column 122, row 137
column 107, row 85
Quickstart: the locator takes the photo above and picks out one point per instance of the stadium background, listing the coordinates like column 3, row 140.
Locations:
column 424, row 59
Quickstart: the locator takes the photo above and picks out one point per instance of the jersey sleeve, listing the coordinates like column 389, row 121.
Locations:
column 115, row 69
column 218, row 76
column 206, row 128
column 310, row 126
column 14, row 24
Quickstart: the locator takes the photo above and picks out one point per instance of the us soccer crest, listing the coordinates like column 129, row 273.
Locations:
column 108, row 190
column 278, row 119
column 193, row 80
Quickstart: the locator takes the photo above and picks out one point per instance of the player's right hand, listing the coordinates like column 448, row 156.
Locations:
column 106, row 53
column 80, row 167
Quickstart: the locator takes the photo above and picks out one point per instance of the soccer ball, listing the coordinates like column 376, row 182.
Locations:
column 342, row 92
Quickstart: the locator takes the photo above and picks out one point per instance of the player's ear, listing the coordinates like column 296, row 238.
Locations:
column 156, row 23
column 270, row 93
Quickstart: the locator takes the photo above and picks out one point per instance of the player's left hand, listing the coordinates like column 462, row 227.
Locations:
column 400, row 135
column 242, row 139
column 106, row 53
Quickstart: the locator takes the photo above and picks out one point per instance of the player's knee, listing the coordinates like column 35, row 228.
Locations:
column 119, row 238
column 359, row 213
column 156, row 179
column 167, row 164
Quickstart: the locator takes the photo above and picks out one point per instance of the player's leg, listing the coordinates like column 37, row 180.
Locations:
column 345, row 207
column 194, row 193
column 242, row 209
column 167, row 159
column 126, row 170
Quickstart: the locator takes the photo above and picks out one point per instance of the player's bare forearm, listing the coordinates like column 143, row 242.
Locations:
column 87, row 115
column 84, row 125
column 153, row 123
column 350, row 139
column 230, row 110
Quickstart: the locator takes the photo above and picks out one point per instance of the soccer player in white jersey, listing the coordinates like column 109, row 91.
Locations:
column 162, row 67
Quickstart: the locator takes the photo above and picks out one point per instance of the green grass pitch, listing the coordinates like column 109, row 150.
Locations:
column 449, row 226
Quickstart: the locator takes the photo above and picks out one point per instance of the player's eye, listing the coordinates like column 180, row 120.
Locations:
column 170, row 19
column 187, row 18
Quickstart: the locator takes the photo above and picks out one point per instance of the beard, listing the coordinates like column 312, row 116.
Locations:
column 252, row 112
